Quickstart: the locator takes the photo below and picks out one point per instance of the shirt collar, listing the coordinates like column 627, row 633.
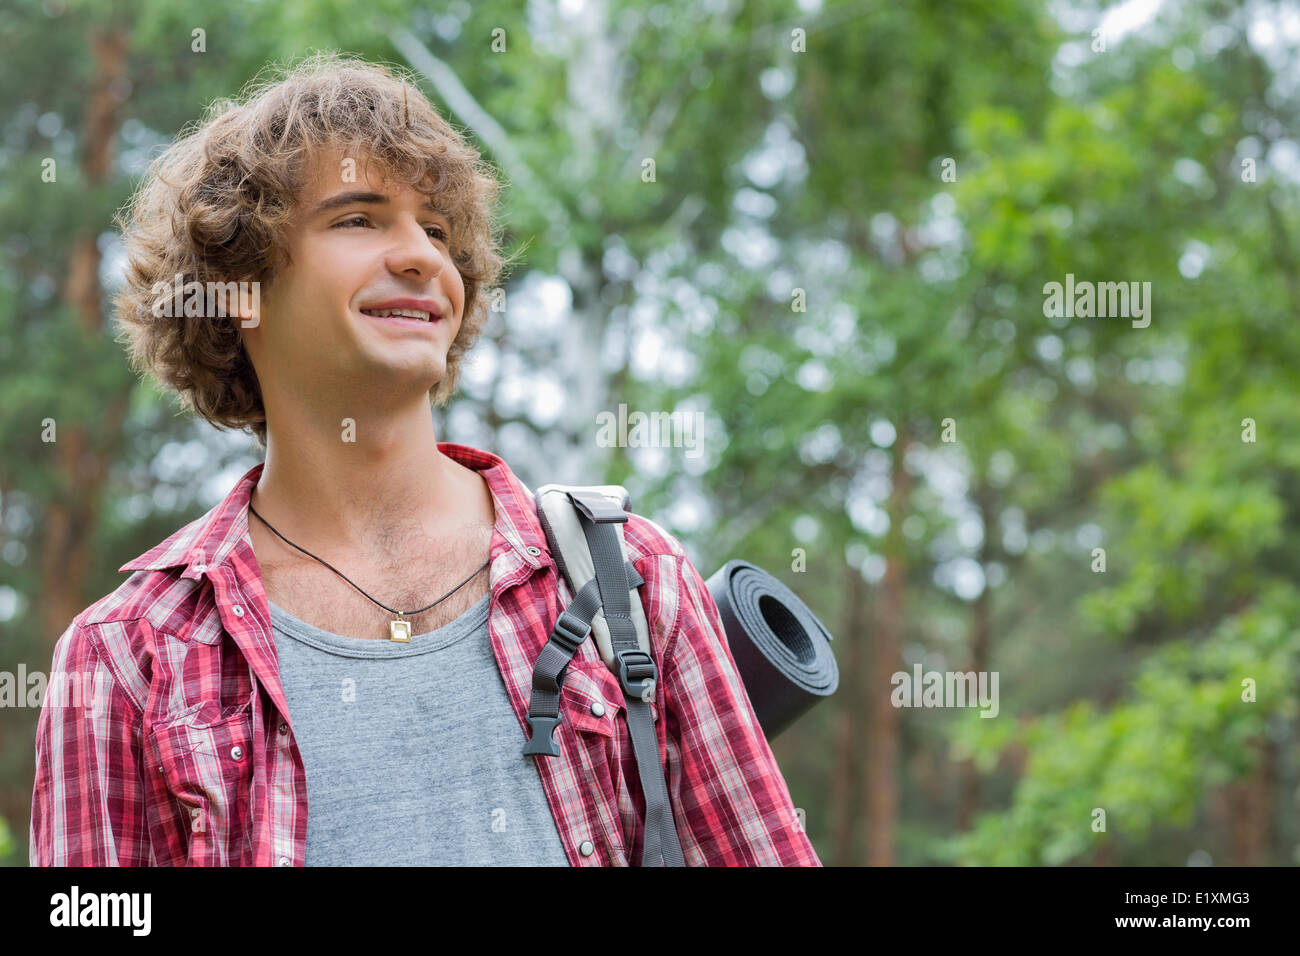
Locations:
column 207, row 542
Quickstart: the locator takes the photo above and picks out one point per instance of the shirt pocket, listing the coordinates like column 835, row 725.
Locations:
column 205, row 757
column 591, row 699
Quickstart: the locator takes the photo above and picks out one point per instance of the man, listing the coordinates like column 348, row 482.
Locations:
column 333, row 665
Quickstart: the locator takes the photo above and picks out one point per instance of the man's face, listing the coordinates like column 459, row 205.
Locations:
column 352, row 246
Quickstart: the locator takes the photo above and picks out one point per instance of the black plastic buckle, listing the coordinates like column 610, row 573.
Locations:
column 635, row 665
column 567, row 635
column 542, row 743
column 597, row 508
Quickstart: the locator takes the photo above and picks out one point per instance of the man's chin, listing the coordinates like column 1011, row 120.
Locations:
column 385, row 379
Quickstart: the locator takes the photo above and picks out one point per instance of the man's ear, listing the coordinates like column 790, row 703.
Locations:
column 250, row 305
column 244, row 305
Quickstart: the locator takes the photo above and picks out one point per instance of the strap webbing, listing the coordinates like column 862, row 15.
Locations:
column 637, row 677
column 571, row 629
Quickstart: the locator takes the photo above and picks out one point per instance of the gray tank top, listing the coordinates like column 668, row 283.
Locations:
column 413, row 751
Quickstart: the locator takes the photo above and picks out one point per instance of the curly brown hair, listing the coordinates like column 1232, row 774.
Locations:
column 215, row 205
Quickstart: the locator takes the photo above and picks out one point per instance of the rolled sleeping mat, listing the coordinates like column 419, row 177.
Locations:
column 782, row 651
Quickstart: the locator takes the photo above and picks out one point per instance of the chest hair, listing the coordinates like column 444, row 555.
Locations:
column 418, row 575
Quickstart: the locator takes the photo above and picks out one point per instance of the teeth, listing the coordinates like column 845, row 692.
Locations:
column 405, row 313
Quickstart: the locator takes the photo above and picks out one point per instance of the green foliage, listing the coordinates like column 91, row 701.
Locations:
column 1186, row 725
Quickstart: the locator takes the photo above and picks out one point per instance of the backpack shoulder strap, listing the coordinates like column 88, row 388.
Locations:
column 559, row 508
column 583, row 528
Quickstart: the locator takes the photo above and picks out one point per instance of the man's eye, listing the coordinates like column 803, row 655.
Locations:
column 442, row 233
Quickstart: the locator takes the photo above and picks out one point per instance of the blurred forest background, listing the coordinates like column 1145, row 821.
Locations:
column 840, row 260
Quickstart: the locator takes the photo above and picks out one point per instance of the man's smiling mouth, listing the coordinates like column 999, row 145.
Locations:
column 414, row 314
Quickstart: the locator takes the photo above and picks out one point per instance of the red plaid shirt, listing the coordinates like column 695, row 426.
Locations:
column 179, row 748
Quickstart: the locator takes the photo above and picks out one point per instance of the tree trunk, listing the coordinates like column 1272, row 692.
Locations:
column 846, row 787
column 886, row 659
column 1246, row 811
column 980, row 633
column 76, row 499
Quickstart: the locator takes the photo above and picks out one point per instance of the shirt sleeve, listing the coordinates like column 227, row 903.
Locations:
column 732, row 805
column 88, row 803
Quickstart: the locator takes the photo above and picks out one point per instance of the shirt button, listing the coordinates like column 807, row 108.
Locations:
column 586, row 848
column 239, row 611
column 284, row 728
column 284, row 861
column 237, row 753
column 534, row 551
column 598, row 709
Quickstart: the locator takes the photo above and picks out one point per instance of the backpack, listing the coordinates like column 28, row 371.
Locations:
column 581, row 523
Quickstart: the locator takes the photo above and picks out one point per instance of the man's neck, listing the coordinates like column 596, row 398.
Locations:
column 362, row 498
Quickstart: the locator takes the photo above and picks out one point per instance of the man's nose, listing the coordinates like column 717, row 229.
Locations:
column 414, row 249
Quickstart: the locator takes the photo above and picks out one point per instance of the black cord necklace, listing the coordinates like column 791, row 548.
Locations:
column 399, row 629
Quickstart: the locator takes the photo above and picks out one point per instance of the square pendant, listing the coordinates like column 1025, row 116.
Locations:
column 399, row 631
